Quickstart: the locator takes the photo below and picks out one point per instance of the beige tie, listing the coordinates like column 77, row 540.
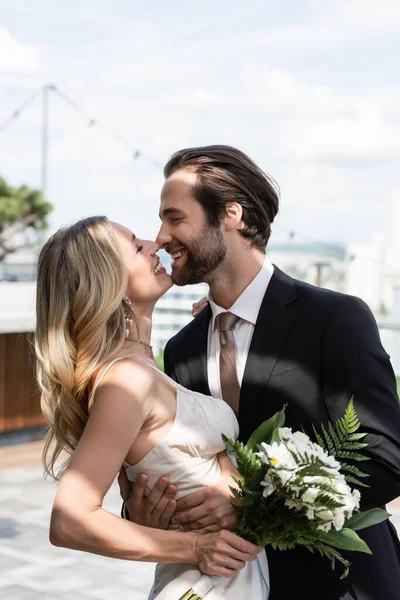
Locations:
column 227, row 360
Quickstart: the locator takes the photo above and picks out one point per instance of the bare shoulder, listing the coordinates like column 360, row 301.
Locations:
column 130, row 377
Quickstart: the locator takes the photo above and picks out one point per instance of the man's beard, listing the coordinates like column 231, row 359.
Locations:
column 206, row 253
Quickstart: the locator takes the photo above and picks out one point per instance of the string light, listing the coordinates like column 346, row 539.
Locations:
column 91, row 121
column 136, row 154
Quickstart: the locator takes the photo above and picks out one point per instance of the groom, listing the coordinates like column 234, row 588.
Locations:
column 286, row 343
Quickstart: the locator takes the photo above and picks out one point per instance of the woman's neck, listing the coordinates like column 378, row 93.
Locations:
column 139, row 336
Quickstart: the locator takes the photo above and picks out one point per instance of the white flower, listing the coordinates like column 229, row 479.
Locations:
column 357, row 497
column 291, row 503
column 284, row 475
column 268, row 485
column 325, row 514
column 325, row 526
column 310, row 513
column 302, row 442
column 339, row 519
column 285, row 433
column 276, row 455
column 310, row 495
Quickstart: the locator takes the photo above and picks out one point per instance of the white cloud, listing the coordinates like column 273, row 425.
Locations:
column 330, row 22
column 15, row 56
column 273, row 87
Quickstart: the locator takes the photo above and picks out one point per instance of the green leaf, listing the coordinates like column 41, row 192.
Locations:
column 368, row 518
column 328, row 441
column 319, row 438
column 264, row 432
column 345, row 539
column 351, row 479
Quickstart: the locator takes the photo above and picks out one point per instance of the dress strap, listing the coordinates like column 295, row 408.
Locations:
column 159, row 372
column 108, row 367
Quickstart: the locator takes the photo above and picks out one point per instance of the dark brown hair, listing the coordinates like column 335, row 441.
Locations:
column 227, row 175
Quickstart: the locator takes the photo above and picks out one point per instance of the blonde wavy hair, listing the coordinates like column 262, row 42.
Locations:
column 80, row 323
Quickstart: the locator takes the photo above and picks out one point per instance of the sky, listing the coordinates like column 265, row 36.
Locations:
column 309, row 89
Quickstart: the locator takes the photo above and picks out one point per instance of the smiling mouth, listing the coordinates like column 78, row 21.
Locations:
column 158, row 268
column 177, row 255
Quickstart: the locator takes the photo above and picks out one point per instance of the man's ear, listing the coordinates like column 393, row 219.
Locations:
column 233, row 217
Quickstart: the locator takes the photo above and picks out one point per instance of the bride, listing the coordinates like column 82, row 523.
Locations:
column 108, row 404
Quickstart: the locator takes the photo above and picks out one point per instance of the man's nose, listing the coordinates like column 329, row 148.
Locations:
column 163, row 237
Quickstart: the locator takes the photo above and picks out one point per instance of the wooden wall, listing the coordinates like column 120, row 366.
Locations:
column 19, row 396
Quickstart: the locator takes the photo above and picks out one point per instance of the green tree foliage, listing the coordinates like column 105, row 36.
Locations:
column 160, row 359
column 23, row 213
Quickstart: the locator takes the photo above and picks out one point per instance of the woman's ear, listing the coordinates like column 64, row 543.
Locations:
column 233, row 217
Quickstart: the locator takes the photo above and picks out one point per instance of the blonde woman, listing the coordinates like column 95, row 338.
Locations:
column 107, row 404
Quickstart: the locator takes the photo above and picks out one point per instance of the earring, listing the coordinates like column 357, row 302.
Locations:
column 126, row 305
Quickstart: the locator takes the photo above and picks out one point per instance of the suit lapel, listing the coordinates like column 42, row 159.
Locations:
column 277, row 313
column 197, row 353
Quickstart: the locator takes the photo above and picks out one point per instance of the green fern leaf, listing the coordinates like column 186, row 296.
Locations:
column 328, row 501
column 353, row 437
column 319, row 438
column 353, row 455
column 334, row 436
column 353, row 470
column 329, row 443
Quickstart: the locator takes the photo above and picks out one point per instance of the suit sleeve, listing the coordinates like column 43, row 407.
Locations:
column 355, row 363
column 168, row 360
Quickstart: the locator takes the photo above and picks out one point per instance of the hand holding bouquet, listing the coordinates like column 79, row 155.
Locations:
column 295, row 492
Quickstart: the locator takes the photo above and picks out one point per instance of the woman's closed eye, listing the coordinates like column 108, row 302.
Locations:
column 139, row 248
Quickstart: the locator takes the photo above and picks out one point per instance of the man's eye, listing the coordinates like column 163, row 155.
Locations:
column 176, row 220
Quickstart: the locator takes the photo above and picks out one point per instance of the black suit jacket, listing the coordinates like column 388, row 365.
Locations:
column 312, row 349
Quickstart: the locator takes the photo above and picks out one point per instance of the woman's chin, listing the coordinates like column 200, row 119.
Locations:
column 165, row 283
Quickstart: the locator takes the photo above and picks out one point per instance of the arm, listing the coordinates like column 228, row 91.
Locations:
column 168, row 360
column 354, row 362
column 157, row 509
column 78, row 520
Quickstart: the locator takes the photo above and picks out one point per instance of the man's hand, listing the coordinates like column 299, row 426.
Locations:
column 154, row 511
column 224, row 553
column 198, row 306
column 211, row 508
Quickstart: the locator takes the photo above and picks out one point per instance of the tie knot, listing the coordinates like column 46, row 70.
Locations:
column 226, row 321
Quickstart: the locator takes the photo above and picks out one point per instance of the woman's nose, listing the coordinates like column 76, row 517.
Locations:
column 153, row 247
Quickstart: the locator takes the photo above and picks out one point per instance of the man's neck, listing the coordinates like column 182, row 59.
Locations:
column 229, row 282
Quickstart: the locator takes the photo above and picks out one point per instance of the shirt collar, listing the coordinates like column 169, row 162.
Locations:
column 247, row 306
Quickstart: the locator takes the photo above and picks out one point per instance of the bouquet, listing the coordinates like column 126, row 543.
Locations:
column 293, row 491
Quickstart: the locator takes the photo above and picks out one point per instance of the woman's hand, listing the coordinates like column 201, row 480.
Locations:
column 224, row 553
column 198, row 306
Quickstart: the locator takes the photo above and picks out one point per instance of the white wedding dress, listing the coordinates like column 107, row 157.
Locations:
column 188, row 456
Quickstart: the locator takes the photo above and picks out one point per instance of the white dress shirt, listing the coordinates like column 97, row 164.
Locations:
column 246, row 307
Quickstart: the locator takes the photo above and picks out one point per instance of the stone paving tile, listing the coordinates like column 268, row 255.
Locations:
column 31, row 568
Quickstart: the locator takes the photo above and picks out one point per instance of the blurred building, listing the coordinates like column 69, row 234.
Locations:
column 374, row 269
column 20, row 265
column 174, row 310
column 316, row 263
